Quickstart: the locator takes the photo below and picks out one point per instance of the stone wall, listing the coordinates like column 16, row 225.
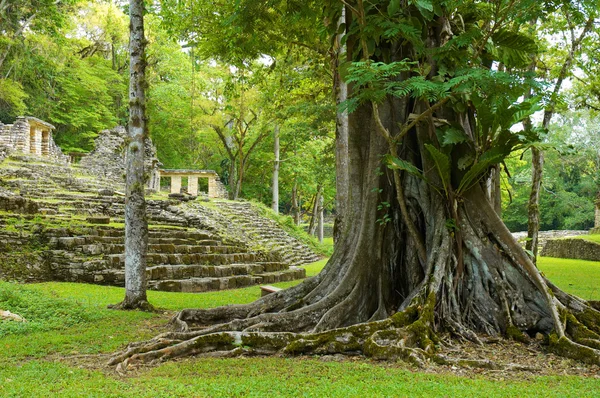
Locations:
column 16, row 204
column 107, row 160
column 580, row 249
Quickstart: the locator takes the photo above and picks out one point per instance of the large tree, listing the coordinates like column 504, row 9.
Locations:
column 423, row 250
column 136, row 223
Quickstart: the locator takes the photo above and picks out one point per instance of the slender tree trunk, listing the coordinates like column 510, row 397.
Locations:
column 320, row 226
column 533, row 208
column 295, row 206
column 312, row 228
column 136, row 224
column 275, row 185
column 537, row 163
column 340, row 89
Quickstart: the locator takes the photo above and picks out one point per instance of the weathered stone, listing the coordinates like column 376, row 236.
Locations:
column 572, row 248
column 106, row 192
column 107, row 160
column 98, row 220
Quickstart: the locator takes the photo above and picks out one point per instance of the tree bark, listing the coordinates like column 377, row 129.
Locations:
column 340, row 90
column 320, row 226
column 312, row 228
column 136, row 224
column 533, row 208
column 275, row 184
column 295, row 206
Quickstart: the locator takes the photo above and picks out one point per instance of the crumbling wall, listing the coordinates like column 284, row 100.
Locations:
column 107, row 160
column 580, row 249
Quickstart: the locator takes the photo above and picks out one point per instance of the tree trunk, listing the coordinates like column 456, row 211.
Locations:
column 312, row 228
column 136, row 224
column 533, row 209
column 340, row 89
column 295, row 206
column 275, row 185
column 320, row 226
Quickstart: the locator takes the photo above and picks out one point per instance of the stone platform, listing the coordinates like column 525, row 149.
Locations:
column 193, row 246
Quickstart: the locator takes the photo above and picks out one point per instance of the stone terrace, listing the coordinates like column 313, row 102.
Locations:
column 193, row 247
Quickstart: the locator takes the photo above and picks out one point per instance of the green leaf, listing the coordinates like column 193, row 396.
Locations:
column 514, row 40
column 453, row 135
column 399, row 164
column 393, row 7
column 424, row 4
column 442, row 164
column 489, row 158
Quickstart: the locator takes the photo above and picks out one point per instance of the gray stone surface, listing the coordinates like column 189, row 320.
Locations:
column 107, row 160
column 580, row 249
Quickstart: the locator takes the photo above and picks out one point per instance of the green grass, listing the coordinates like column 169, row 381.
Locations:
column 578, row 277
column 67, row 319
column 592, row 238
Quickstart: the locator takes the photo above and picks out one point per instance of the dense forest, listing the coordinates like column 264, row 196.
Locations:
column 216, row 99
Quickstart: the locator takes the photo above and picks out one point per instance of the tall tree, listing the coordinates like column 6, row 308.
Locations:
column 574, row 16
column 136, row 224
column 427, row 251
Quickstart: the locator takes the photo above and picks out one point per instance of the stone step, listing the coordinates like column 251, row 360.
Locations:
column 165, row 248
column 185, row 271
column 197, row 285
column 118, row 260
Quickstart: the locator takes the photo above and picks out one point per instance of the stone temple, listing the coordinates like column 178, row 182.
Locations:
column 30, row 135
column 64, row 221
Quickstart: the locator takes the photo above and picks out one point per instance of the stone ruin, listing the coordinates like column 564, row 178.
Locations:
column 107, row 160
column 30, row 136
column 216, row 189
column 49, row 229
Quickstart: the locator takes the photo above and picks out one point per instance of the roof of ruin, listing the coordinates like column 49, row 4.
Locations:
column 187, row 172
column 35, row 120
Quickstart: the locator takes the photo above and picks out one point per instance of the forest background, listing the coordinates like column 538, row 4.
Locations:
column 66, row 62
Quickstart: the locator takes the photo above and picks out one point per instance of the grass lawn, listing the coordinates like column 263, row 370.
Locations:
column 578, row 277
column 71, row 320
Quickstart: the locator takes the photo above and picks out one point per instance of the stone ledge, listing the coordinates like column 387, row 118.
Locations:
column 579, row 249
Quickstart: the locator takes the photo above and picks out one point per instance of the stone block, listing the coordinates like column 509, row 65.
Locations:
column 98, row 220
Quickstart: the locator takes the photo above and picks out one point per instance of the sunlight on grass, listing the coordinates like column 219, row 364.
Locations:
column 578, row 277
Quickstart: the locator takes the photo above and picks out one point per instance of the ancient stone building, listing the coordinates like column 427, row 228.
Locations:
column 216, row 189
column 31, row 136
column 107, row 160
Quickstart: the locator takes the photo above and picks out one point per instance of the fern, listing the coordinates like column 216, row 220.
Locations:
column 442, row 164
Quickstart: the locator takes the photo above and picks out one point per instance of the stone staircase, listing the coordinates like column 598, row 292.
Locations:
column 266, row 233
column 192, row 247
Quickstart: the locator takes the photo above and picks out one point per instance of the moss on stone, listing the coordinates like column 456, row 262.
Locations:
column 514, row 333
column 567, row 348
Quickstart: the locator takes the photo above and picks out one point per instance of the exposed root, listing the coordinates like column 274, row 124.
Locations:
column 407, row 335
